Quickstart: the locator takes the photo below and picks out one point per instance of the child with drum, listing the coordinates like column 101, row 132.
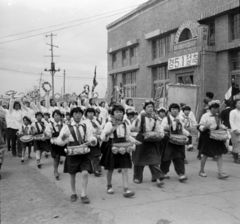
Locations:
column 212, row 138
column 40, row 145
column 52, row 131
column 188, row 123
column 78, row 134
column 95, row 128
column 176, row 140
column 117, row 141
column 148, row 153
column 26, row 136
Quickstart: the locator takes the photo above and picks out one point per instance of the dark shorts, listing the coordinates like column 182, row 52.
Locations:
column 77, row 164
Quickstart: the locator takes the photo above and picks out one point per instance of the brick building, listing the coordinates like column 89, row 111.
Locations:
column 175, row 41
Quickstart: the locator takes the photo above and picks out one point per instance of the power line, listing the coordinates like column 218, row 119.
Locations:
column 30, row 31
column 35, row 73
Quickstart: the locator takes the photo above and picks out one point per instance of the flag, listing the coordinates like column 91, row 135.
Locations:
column 95, row 83
column 232, row 92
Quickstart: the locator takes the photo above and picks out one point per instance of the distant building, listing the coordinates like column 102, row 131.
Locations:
column 175, row 41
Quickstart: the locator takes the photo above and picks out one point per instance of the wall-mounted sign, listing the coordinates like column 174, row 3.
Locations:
column 191, row 25
column 183, row 61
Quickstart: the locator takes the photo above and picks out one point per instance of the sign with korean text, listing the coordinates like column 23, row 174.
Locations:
column 183, row 61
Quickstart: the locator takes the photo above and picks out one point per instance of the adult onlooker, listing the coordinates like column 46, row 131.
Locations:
column 14, row 123
column 235, row 131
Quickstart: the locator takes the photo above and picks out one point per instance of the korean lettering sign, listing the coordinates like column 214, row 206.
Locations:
column 183, row 61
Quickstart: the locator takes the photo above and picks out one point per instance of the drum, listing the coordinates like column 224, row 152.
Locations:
column 178, row 139
column 134, row 134
column 77, row 150
column 38, row 137
column 58, row 141
column 26, row 138
column 220, row 135
column 123, row 147
column 153, row 136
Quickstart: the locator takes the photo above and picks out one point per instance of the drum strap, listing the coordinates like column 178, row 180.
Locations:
column 143, row 124
column 125, row 130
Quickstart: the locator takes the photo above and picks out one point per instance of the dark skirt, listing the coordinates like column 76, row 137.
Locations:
column 211, row 147
column 171, row 151
column 40, row 146
column 26, row 144
column 147, row 153
column 57, row 150
column 95, row 151
column 112, row 161
column 77, row 164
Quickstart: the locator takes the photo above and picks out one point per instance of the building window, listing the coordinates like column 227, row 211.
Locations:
column 186, row 78
column 133, row 55
column 160, row 81
column 129, row 84
column 114, row 60
column 211, row 33
column 185, row 35
column 114, row 86
column 124, row 57
column 236, row 78
column 160, row 47
column 235, row 26
column 236, row 60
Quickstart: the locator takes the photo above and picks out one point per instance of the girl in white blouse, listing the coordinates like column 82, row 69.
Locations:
column 210, row 147
column 148, row 153
column 26, row 129
column 116, row 131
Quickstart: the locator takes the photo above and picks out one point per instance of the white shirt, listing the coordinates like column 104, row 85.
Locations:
column 30, row 113
column 149, row 125
column 191, row 116
column 65, row 131
column 187, row 121
column 208, row 120
column 49, row 129
column 174, row 120
column 234, row 119
column 104, row 113
column 29, row 131
column 120, row 129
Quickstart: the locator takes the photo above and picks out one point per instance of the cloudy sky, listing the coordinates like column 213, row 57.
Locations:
column 81, row 37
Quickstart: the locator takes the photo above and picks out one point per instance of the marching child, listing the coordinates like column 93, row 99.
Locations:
column 26, row 129
column 210, row 147
column 52, row 131
column 96, row 129
column 40, row 145
column 116, row 131
column 78, row 134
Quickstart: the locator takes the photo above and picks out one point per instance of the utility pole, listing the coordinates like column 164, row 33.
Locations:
column 40, row 81
column 52, row 70
column 64, row 81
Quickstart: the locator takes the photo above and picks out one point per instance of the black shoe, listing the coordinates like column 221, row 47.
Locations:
column 137, row 181
column 74, row 198
column 199, row 157
column 85, row 200
column 39, row 165
column 22, row 160
column 97, row 174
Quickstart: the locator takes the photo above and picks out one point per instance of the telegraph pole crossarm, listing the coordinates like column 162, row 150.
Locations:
column 52, row 70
